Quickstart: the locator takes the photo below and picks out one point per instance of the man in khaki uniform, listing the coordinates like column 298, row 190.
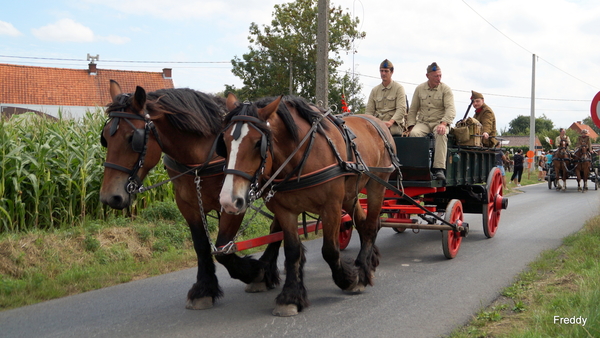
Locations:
column 485, row 115
column 562, row 137
column 387, row 100
column 432, row 111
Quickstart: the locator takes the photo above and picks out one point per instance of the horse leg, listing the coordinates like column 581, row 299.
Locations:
column 269, row 278
column 344, row 272
column 293, row 297
column 367, row 227
column 578, row 180
column 206, row 290
column 260, row 275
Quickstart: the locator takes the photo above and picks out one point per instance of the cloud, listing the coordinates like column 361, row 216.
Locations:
column 8, row 29
column 64, row 30
column 67, row 30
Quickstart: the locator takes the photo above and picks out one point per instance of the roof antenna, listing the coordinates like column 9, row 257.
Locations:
column 93, row 58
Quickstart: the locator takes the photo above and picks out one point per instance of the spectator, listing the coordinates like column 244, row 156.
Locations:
column 518, row 168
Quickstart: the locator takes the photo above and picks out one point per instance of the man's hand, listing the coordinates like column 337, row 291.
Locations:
column 389, row 123
column 486, row 135
column 441, row 129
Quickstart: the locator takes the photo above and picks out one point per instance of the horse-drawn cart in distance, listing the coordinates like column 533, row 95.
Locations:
column 580, row 164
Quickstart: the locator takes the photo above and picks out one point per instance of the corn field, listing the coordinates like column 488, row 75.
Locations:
column 51, row 173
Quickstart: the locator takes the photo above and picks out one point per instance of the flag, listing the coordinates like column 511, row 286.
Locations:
column 344, row 105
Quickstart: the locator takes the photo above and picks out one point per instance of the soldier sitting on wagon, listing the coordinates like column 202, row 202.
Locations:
column 485, row 115
column 563, row 137
column 387, row 100
column 584, row 139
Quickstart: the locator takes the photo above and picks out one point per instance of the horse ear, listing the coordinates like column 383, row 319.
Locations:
column 232, row 101
column 266, row 112
column 139, row 98
column 115, row 89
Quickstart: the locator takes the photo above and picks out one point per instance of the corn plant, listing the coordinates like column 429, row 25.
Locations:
column 51, row 173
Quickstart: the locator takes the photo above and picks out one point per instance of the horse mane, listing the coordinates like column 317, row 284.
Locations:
column 301, row 105
column 189, row 110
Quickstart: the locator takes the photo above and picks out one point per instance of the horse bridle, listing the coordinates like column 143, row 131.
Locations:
column 265, row 146
column 139, row 144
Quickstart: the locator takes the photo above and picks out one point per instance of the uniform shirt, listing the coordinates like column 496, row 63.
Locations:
column 557, row 141
column 485, row 116
column 432, row 105
column 584, row 139
column 388, row 103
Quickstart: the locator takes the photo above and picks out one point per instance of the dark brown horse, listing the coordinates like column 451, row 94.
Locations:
column 561, row 161
column 305, row 154
column 183, row 124
column 583, row 164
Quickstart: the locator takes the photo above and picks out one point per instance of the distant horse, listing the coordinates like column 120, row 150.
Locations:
column 561, row 161
column 308, row 166
column 583, row 163
column 183, row 124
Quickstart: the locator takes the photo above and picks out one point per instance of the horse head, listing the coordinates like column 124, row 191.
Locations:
column 246, row 145
column 132, row 146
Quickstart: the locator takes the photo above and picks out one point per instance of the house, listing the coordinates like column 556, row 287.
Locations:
column 578, row 127
column 518, row 141
column 45, row 90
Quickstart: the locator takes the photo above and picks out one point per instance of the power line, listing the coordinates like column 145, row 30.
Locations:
column 525, row 49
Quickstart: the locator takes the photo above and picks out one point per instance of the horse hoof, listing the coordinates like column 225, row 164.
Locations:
column 199, row 303
column 358, row 288
column 287, row 310
column 256, row 287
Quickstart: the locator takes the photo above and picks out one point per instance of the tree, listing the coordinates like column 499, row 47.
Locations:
column 520, row 125
column 283, row 55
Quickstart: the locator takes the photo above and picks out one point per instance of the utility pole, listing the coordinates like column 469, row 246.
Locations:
column 532, row 117
column 322, row 53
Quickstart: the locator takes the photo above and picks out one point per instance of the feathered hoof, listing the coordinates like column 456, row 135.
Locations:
column 579, row 189
column 358, row 288
column 256, row 287
column 199, row 303
column 287, row 310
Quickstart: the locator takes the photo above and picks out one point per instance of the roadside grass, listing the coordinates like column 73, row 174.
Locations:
column 561, row 283
column 40, row 265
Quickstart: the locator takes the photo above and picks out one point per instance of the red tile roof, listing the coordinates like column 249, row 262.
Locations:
column 578, row 127
column 71, row 87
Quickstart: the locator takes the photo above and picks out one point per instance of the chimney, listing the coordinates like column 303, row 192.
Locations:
column 167, row 73
column 578, row 122
column 92, row 69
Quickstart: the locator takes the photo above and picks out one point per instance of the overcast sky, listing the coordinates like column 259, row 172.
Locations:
column 480, row 45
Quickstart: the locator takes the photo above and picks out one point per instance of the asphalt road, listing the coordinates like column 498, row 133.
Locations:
column 418, row 292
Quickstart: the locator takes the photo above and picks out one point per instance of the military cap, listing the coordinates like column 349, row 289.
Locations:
column 386, row 64
column 433, row 67
column 476, row 95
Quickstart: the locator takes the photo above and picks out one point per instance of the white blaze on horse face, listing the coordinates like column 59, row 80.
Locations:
column 228, row 196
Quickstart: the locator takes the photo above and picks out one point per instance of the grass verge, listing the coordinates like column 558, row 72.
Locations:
column 40, row 265
column 562, row 283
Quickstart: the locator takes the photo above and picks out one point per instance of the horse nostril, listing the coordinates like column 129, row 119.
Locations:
column 239, row 203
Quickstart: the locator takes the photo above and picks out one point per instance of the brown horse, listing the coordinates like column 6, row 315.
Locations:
column 183, row 124
column 561, row 161
column 583, row 163
column 264, row 143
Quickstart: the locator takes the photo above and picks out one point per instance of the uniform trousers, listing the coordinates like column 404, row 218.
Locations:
column 441, row 141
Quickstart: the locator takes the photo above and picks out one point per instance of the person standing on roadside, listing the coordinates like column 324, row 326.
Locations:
column 387, row 100
column 518, row 168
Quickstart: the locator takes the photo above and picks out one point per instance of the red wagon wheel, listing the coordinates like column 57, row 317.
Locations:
column 345, row 231
column 491, row 210
column 451, row 239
